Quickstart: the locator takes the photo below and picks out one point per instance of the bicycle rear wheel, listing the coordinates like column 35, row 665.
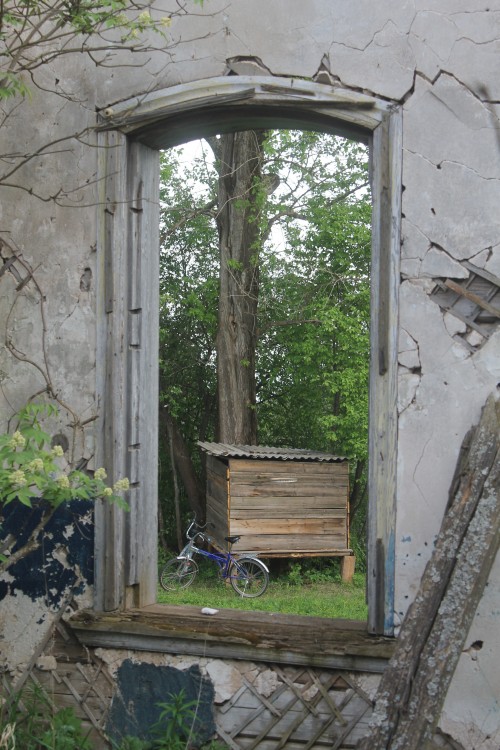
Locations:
column 249, row 577
column 178, row 574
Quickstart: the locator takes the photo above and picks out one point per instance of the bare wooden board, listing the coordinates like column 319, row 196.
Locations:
column 257, row 467
column 290, row 542
column 287, row 502
column 217, row 467
column 288, row 489
column 275, row 513
column 282, row 526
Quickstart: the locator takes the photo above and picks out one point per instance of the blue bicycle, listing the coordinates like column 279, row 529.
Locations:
column 248, row 575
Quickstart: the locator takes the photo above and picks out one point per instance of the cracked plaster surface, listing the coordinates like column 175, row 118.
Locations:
column 454, row 207
column 489, row 259
column 432, row 38
column 445, row 122
column 432, row 55
column 24, row 624
column 437, row 263
column 408, row 350
column 432, row 424
column 385, row 66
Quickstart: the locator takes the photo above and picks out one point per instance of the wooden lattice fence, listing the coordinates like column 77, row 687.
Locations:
column 279, row 708
column 308, row 710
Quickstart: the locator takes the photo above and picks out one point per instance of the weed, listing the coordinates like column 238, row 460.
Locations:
column 64, row 733
column 173, row 729
column 28, row 721
column 175, row 723
column 7, row 738
column 294, row 575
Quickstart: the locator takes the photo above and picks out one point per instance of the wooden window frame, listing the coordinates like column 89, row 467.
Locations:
column 130, row 136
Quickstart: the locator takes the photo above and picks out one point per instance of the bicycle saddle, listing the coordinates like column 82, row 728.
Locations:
column 232, row 539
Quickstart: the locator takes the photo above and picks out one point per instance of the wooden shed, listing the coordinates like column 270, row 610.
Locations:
column 283, row 502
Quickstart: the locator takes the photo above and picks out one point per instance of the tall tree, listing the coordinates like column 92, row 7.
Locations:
column 288, row 233
column 239, row 164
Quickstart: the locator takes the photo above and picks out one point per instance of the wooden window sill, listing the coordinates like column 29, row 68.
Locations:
column 233, row 634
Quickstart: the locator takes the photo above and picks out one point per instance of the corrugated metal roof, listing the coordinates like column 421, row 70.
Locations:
column 267, row 452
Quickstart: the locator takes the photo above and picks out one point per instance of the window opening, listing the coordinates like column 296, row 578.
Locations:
column 292, row 256
column 126, row 570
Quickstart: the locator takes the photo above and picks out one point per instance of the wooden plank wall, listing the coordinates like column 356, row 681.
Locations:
column 283, row 507
column 217, row 500
column 127, row 371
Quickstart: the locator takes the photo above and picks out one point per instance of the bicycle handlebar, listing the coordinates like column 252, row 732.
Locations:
column 198, row 529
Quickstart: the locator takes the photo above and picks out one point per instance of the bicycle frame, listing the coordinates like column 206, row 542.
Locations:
column 248, row 575
column 223, row 560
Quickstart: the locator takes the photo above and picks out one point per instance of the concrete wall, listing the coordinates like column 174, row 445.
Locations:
column 439, row 61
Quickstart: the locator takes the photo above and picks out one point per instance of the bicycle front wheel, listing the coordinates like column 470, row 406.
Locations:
column 249, row 577
column 178, row 574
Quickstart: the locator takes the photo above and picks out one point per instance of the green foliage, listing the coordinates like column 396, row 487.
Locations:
column 313, row 351
column 306, row 588
column 175, row 722
column 188, row 308
column 29, row 467
column 28, row 720
column 173, row 729
column 11, row 85
column 314, row 296
column 64, row 733
column 321, row 570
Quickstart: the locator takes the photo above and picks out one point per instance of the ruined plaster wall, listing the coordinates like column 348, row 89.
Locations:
column 48, row 327
column 438, row 59
column 251, row 699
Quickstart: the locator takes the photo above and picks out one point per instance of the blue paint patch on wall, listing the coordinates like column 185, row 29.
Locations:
column 141, row 687
column 40, row 574
column 406, row 538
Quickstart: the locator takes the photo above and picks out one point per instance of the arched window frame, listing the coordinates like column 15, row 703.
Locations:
column 130, row 136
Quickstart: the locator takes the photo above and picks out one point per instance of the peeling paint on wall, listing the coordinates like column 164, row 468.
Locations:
column 144, row 690
column 64, row 561
column 39, row 587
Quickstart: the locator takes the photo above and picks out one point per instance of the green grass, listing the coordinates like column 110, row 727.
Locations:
column 293, row 593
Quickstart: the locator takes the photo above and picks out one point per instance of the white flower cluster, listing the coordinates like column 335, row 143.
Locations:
column 122, row 485
column 18, row 478
column 18, row 440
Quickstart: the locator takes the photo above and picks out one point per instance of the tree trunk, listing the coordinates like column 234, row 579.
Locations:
column 414, row 686
column 177, row 504
column 239, row 159
column 357, row 495
column 183, row 462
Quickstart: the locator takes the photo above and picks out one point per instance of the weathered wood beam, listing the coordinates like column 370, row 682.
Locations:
column 414, row 686
column 232, row 634
column 495, row 311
